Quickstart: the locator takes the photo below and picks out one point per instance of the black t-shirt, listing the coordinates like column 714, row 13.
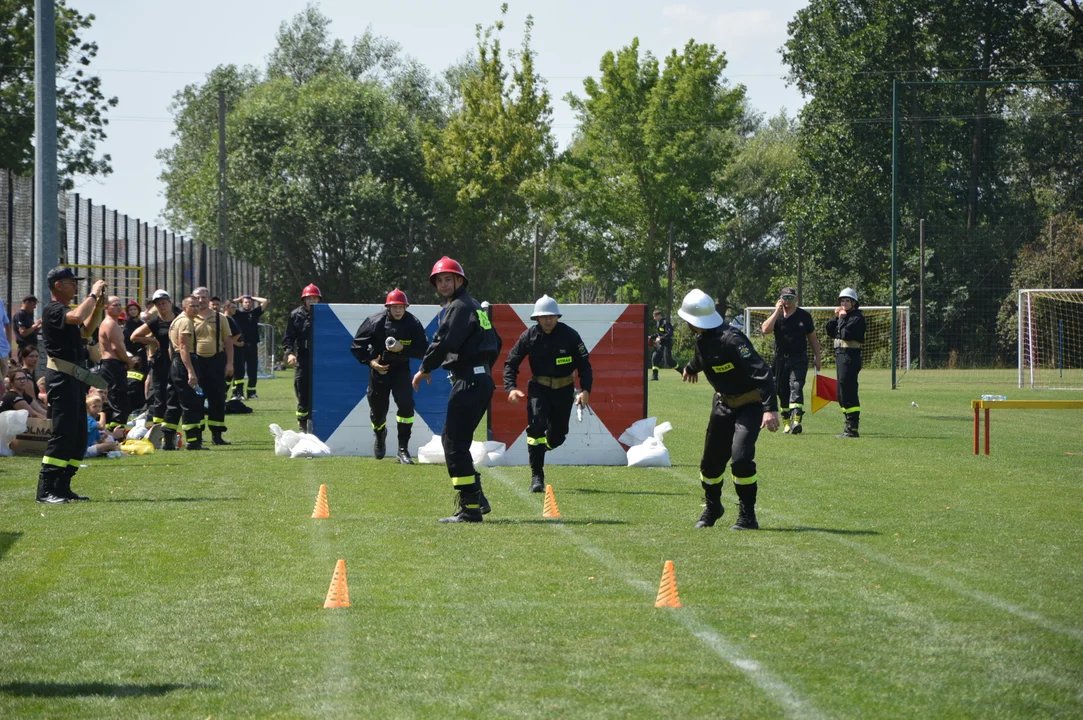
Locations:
column 62, row 340
column 10, row 398
column 135, row 349
column 234, row 327
column 248, row 320
column 23, row 320
column 791, row 333
column 159, row 328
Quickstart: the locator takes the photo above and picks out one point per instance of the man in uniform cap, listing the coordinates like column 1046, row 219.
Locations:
column 794, row 331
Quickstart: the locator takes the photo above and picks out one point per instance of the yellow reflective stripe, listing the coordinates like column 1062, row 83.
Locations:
column 655, row 367
column 536, row 441
column 171, row 426
column 135, row 375
column 744, row 481
column 483, row 319
column 852, row 409
column 215, row 423
column 301, row 414
column 797, row 406
column 563, row 360
column 460, row 481
column 711, row 481
column 156, row 420
column 405, row 420
column 74, row 463
column 194, row 426
column 55, row 462
column 379, row 427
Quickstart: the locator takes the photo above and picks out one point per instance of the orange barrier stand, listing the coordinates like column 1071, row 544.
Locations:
column 988, row 405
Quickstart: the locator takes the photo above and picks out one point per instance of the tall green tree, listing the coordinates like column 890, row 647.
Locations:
column 488, row 166
column 81, row 104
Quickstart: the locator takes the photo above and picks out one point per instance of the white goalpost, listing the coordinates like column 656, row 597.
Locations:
column 1050, row 339
column 877, row 348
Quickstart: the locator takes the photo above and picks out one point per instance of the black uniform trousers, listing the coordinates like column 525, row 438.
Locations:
column 115, row 373
column 159, row 390
column 67, row 444
column 396, row 383
column 137, row 389
column 662, row 357
column 847, row 366
column 790, row 374
column 302, row 386
column 245, row 366
column 731, row 435
column 548, row 413
column 184, row 407
column 212, row 378
column 466, row 406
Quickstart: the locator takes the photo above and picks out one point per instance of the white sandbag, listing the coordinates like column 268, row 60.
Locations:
column 660, row 431
column 432, row 452
column 649, row 453
column 308, row 445
column 12, row 422
column 285, row 440
column 638, row 432
column 488, row 453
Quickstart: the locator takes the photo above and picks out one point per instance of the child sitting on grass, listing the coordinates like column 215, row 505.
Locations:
column 99, row 442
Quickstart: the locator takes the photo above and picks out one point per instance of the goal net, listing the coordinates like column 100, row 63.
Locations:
column 876, row 351
column 1051, row 339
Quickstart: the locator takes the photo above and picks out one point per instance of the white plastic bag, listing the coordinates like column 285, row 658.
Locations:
column 649, row 453
column 432, row 452
column 12, row 422
column 309, row 445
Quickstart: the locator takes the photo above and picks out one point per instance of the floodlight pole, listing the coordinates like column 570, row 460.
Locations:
column 46, row 249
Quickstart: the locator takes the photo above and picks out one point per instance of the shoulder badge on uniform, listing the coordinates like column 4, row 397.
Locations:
column 745, row 351
column 582, row 349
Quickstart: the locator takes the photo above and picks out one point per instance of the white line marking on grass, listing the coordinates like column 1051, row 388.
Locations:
column 932, row 577
column 794, row 705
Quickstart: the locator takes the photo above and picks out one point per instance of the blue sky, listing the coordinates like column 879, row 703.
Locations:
column 149, row 50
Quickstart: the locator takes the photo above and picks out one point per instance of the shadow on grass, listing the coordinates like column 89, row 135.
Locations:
column 592, row 491
column 544, row 521
column 829, row 531
column 175, row 500
column 48, row 689
column 7, row 539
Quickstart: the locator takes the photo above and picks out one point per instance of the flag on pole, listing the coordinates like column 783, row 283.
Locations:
column 824, row 390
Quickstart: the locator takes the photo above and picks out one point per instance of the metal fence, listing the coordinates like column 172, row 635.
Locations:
column 96, row 235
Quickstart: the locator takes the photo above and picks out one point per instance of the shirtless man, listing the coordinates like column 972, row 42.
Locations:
column 115, row 364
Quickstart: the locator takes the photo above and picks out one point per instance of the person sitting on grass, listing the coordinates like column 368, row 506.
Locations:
column 21, row 395
column 99, row 442
column 99, row 417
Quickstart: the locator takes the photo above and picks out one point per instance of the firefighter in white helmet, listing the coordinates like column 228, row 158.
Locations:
column 847, row 331
column 386, row 342
column 556, row 353
column 744, row 403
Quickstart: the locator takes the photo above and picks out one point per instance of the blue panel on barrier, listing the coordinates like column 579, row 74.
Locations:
column 339, row 381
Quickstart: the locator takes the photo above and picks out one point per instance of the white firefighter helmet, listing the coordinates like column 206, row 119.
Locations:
column 697, row 309
column 545, row 306
column 848, row 293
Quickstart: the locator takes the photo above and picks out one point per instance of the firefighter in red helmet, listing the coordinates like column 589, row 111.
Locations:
column 386, row 342
column 467, row 346
column 298, row 346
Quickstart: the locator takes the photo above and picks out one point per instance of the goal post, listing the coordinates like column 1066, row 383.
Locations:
column 124, row 281
column 1050, row 339
column 876, row 351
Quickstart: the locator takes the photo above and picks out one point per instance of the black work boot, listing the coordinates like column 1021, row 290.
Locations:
column 169, row 440
column 63, row 488
column 537, row 468
column 379, row 448
column 216, row 437
column 746, row 511
column 850, row 429
column 469, row 509
column 855, row 417
column 404, row 456
column 714, row 509
column 47, row 489
column 484, row 502
column 194, row 443
column 795, row 428
column 654, row 374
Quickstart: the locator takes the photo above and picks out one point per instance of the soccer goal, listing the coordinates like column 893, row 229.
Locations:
column 876, row 350
column 1051, row 339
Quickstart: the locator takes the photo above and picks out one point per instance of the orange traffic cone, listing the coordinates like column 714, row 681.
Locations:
column 338, row 595
column 667, row 589
column 321, row 511
column 549, row 508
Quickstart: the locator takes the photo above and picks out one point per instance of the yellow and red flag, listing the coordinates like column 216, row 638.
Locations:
column 824, row 390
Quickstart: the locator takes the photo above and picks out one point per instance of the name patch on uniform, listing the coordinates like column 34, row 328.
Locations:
column 563, row 360
column 483, row 319
column 405, row 342
column 723, row 368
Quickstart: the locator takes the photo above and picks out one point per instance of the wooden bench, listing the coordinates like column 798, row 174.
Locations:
column 988, row 405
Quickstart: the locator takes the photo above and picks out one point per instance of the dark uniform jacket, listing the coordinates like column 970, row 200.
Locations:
column 369, row 342
column 138, row 350
column 465, row 338
column 664, row 332
column 555, row 355
column 850, row 328
column 298, row 338
column 733, row 367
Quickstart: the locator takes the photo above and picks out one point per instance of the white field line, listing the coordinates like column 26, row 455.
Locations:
column 928, row 575
column 794, row 705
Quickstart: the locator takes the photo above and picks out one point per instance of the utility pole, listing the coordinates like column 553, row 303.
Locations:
column 921, row 294
column 220, row 256
column 410, row 258
column 800, row 258
column 669, row 274
column 46, row 249
column 537, row 239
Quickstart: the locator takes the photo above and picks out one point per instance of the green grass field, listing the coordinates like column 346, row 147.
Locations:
column 897, row 575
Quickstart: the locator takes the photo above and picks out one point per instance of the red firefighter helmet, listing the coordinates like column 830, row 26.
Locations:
column 396, row 297
column 447, row 265
column 311, row 291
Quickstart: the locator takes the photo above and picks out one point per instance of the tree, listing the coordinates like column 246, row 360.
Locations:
column 488, row 166
column 81, row 105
